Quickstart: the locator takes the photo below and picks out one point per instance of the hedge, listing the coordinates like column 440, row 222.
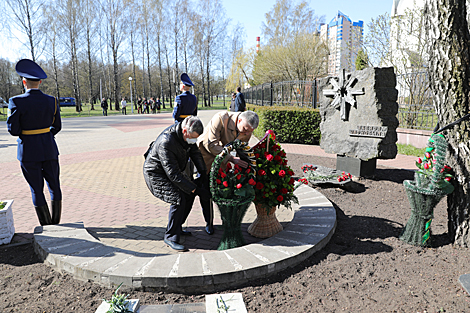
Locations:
column 290, row 124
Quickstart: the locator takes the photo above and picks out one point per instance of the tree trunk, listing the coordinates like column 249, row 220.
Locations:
column 449, row 72
column 162, row 97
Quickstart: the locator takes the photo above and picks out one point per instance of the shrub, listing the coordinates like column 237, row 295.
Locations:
column 290, row 124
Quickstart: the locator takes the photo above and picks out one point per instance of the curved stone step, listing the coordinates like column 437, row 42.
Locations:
column 70, row 248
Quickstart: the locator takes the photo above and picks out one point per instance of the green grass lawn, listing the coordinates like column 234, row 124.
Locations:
column 410, row 150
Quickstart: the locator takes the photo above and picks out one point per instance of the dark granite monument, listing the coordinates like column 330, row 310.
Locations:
column 359, row 118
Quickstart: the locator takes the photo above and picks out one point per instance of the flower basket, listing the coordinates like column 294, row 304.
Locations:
column 7, row 227
column 431, row 184
column 266, row 224
column 274, row 186
column 232, row 191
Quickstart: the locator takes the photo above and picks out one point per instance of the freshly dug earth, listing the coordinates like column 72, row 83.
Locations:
column 364, row 268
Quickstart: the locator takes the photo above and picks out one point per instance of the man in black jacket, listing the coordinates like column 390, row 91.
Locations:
column 164, row 174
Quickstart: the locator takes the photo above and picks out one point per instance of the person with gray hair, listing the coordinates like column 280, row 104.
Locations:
column 164, row 174
column 223, row 128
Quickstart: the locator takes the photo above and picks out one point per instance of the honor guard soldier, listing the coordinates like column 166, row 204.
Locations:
column 35, row 118
column 185, row 103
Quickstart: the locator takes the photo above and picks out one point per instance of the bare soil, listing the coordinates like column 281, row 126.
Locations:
column 364, row 268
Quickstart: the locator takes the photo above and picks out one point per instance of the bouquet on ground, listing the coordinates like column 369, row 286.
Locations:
column 274, row 182
column 315, row 174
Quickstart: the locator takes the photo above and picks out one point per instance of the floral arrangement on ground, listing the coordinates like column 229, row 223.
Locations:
column 274, row 182
column 319, row 174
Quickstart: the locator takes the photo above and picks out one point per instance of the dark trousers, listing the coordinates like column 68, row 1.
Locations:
column 177, row 216
column 105, row 112
column 124, row 110
column 35, row 173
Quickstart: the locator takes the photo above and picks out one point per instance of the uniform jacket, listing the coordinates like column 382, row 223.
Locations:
column 34, row 110
column 220, row 131
column 240, row 104
column 165, row 163
column 185, row 104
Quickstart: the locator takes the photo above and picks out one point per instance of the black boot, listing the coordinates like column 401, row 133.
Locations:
column 56, row 211
column 43, row 214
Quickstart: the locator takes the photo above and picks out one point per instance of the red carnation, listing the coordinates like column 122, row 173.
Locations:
column 225, row 183
column 239, row 186
column 218, row 181
column 283, row 190
column 259, row 185
column 252, row 182
column 269, row 157
column 239, row 176
column 280, row 198
column 262, row 172
column 282, row 173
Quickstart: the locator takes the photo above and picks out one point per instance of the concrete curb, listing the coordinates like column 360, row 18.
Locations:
column 70, row 248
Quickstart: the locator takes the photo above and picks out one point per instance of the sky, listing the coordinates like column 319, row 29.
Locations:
column 251, row 14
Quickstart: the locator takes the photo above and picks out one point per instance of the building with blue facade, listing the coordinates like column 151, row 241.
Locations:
column 344, row 38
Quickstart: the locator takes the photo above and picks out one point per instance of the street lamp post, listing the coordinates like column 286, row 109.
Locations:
column 130, row 87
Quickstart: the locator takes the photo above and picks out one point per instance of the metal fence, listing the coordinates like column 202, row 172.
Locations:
column 287, row 93
column 414, row 98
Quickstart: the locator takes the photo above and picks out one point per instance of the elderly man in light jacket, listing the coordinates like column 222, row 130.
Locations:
column 223, row 128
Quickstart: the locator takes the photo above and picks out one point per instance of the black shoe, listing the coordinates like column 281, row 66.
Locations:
column 210, row 229
column 185, row 233
column 174, row 245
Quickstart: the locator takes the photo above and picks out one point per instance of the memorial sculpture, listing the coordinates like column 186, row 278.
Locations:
column 358, row 118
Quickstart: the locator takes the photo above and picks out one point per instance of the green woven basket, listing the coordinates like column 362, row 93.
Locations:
column 232, row 210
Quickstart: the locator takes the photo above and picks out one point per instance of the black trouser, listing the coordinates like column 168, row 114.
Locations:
column 35, row 173
column 177, row 216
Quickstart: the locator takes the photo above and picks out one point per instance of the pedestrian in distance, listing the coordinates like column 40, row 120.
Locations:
column 240, row 104
column 104, row 106
column 158, row 104
column 232, row 102
column 123, row 106
column 139, row 104
column 35, row 118
column 186, row 102
column 164, row 174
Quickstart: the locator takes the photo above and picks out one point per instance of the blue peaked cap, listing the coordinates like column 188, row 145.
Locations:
column 29, row 69
column 185, row 79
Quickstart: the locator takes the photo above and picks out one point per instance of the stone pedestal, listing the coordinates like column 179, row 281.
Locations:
column 355, row 166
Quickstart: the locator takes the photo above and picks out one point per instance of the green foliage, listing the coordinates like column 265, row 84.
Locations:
column 2, row 205
column 362, row 60
column 290, row 124
column 410, row 150
column 118, row 303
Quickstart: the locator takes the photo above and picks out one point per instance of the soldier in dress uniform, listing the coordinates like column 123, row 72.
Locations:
column 35, row 118
column 185, row 103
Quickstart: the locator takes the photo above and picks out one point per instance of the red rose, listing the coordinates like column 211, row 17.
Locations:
column 291, row 181
column 277, row 158
column 239, row 176
column 237, row 167
column 259, row 185
column 290, row 172
column 223, row 175
column 235, row 172
column 284, row 190
column 282, row 173
column 262, row 172
column 225, row 183
column 280, row 198
column 239, row 186
column 218, row 181
column 257, row 155
column 448, row 178
column 273, row 190
column 229, row 166
column 252, row 182
column 275, row 147
column 269, row 157
column 248, row 170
